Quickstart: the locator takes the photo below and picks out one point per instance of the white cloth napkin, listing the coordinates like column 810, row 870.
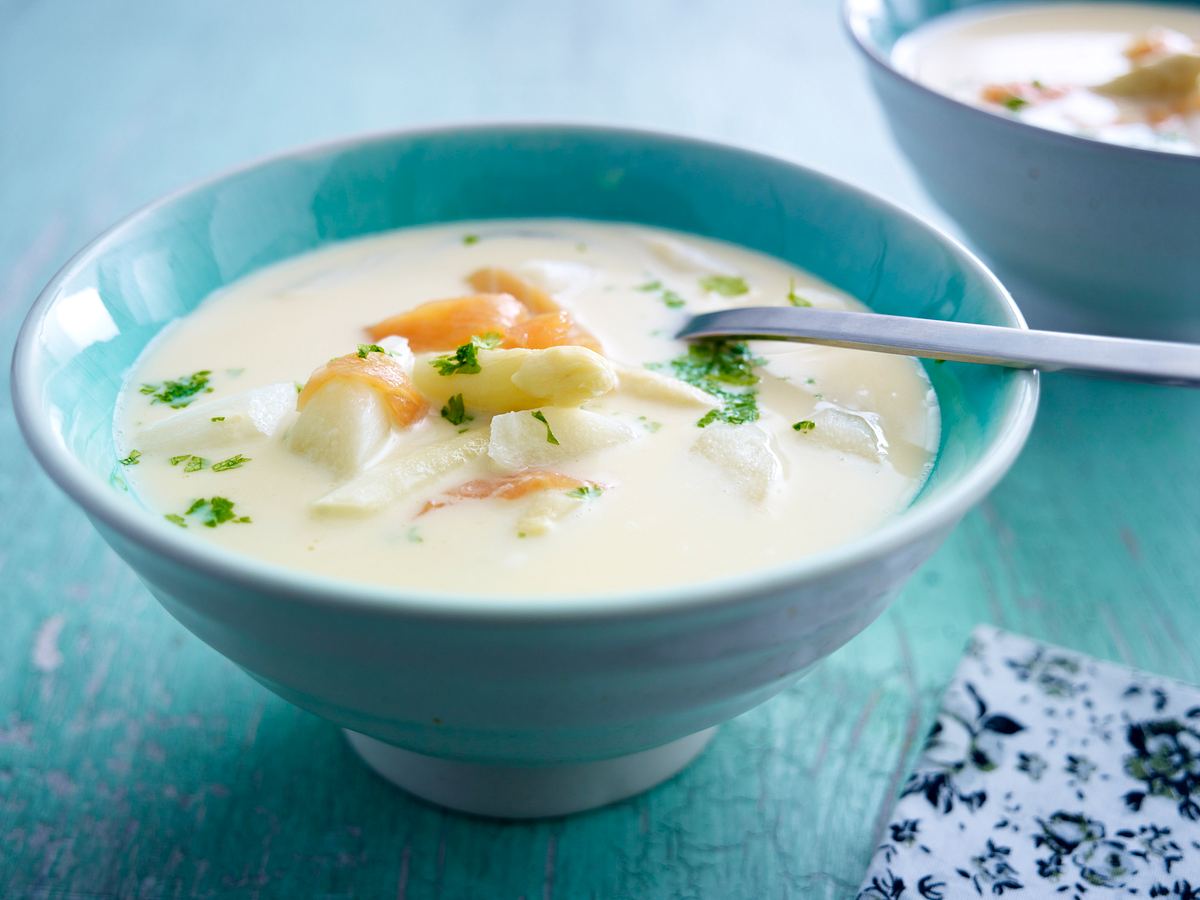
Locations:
column 1048, row 774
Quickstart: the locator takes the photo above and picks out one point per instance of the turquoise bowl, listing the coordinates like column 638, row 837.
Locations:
column 1103, row 236
column 510, row 707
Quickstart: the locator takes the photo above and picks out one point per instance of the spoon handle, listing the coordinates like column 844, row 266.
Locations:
column 1158, row 362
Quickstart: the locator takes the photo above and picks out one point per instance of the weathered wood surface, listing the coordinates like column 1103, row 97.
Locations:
column 135, row 762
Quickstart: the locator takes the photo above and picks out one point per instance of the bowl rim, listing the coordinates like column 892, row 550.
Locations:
column 294, row 586
column 855, row 14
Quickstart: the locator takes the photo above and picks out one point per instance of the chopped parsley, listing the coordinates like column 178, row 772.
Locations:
column 193, row 463
column 1013, row 103
column 794, row 298
column 178, row 393
column 668, row 296
column 465, row 360
column 805, row 425
column 217, row 419
column 540, row 416
column 234, row 462
column 718, row 367
column 725, row 285
column 469, row 239
column 649, row 424
column 455, row 411
column 176, row 519
column 212, row 512
column 132, row 459
column 364, row 349
column 586, row 492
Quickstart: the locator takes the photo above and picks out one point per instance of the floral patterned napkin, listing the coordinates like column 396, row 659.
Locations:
column 1049, row 774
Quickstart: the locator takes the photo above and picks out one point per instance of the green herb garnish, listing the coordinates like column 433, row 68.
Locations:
column 234, row 462
column 1013, row 103
column 586, row 492
column 649, row 424
column 178, row 393
column 550, row 438
column 364, row 349
column 217, row 419
column 465, row 360
column 213, row 511
column 717, row 367
column 176, row 519
column 725, row 285
column 668, row 296
column 805, row 425
column 794, row 298
column 469, row 239
column 455, row 411
column 132, row 459
column 194, row 463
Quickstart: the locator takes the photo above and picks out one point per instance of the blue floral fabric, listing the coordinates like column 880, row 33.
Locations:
column 1048, row 774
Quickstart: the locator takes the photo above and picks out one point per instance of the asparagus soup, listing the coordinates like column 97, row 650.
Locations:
column 501, row 408
column 1126, row 73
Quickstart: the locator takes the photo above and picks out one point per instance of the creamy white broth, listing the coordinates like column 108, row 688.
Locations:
column 667, row 514
column 1059, row 66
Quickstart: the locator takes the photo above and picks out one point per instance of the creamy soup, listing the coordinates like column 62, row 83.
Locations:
column 501, row 408
column 1127, row 73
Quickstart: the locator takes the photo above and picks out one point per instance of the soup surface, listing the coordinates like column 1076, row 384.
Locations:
column 1127, row 73
column 501, row 408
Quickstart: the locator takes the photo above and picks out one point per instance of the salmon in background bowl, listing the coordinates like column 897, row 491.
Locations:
column 1100, row 234
column 511, row 706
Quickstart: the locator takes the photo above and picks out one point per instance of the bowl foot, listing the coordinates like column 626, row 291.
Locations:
column 526, row 792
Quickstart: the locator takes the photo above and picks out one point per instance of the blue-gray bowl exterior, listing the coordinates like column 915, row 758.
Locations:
column 508, row 679
column 1109, row 231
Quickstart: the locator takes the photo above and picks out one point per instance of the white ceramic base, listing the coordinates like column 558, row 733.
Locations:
column 527, row 792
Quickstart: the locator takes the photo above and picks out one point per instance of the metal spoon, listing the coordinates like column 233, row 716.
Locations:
column 1157, row 362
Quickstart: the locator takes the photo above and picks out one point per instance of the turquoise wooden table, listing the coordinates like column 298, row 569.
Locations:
column 134, row 762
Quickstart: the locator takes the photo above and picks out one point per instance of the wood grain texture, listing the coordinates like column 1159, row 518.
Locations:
column 135, row 762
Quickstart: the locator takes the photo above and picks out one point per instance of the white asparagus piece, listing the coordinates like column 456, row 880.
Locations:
column 243, row 417
column 651, row 385
column 849, row 431
column 393, row 480
column 744, row 453
column 520, row 441
column 343, row 427
column 520, row 379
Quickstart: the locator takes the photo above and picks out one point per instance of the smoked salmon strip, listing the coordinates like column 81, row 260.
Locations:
column 508, row 487
column 495, row 280
column 447, row 324
column 556, row 329
column 382, row 374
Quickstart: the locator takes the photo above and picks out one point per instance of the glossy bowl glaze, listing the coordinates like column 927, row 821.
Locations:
column 1105, row 235
column 514, row 706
